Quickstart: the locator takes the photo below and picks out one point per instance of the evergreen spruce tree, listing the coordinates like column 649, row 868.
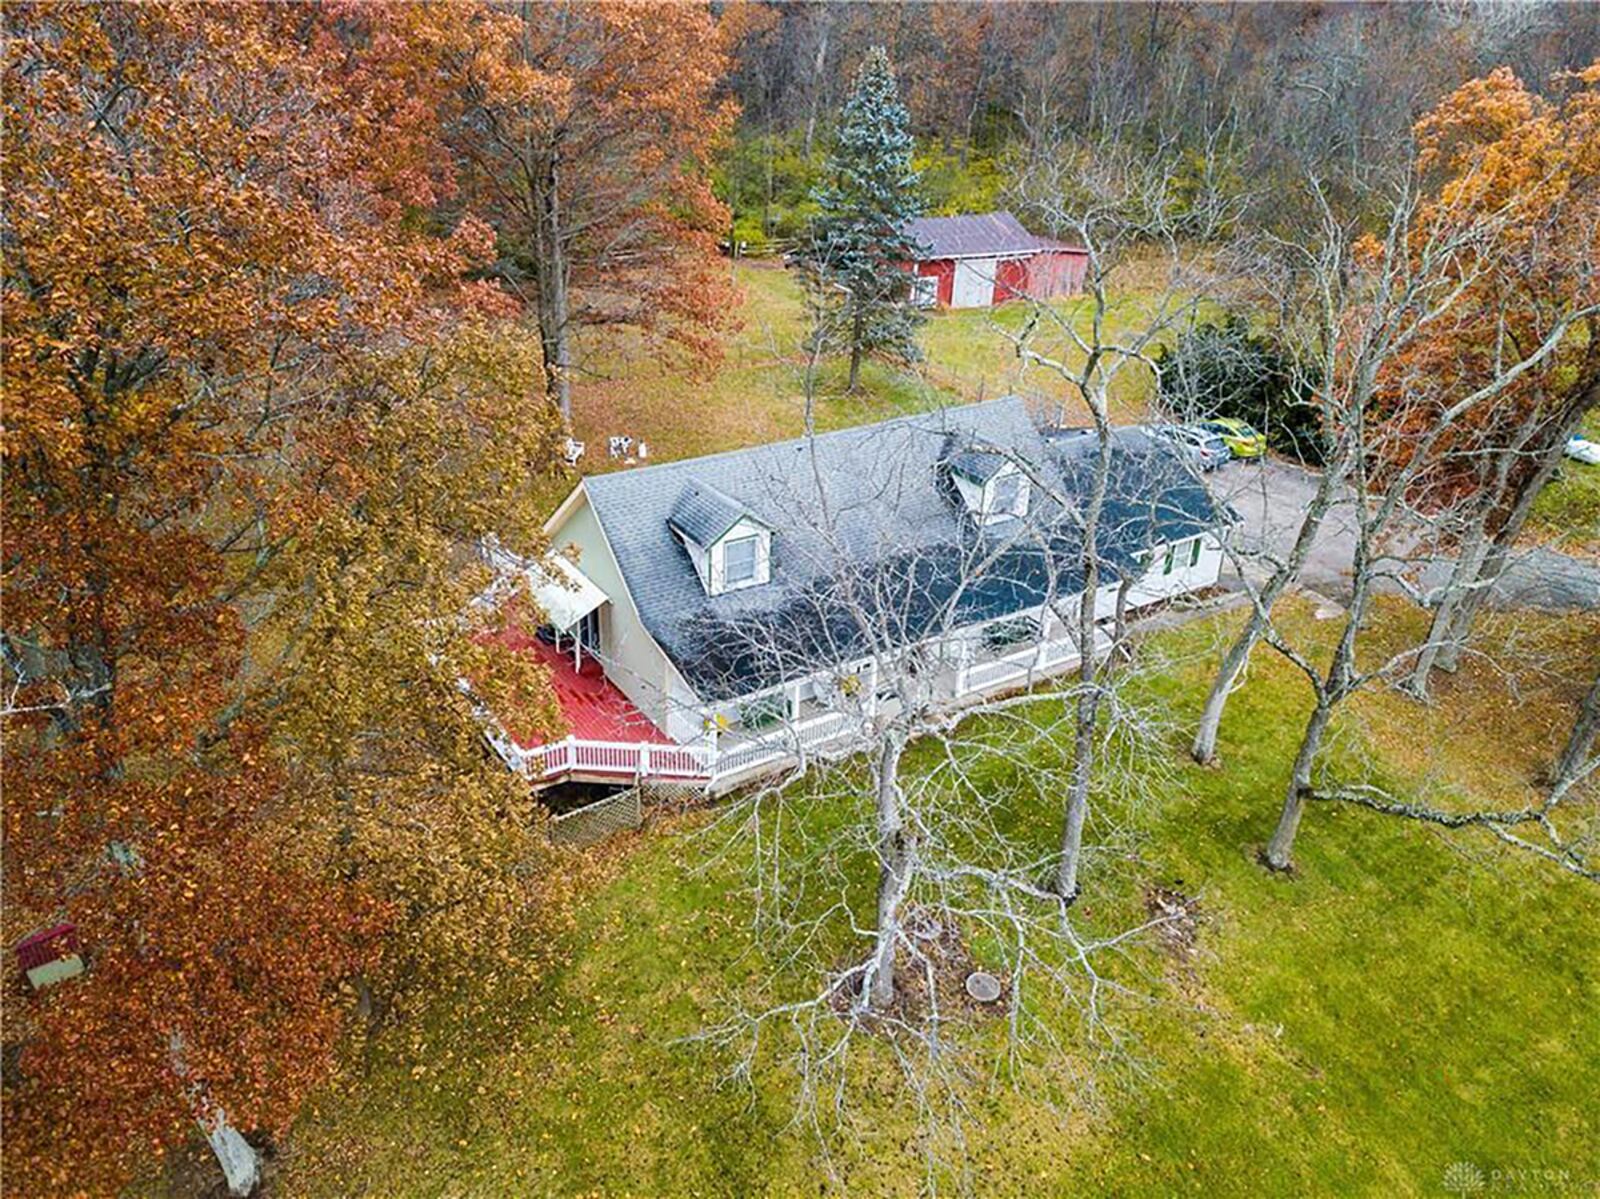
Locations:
column 857, row 265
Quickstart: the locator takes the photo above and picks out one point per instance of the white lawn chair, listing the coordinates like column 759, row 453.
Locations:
column 571, row 451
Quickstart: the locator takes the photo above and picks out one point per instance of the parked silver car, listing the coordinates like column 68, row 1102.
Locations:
column 1205, row 448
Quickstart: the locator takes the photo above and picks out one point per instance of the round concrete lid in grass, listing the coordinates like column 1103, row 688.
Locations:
column 983, row 986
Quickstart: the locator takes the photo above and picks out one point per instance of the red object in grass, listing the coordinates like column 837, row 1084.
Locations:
column 47, row 945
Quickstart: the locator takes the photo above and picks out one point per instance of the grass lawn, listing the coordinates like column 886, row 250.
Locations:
column 756, row 394
column 1406, row 1001
column 1567, row 512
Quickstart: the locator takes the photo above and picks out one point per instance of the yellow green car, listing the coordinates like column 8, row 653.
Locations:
column 1242, row 441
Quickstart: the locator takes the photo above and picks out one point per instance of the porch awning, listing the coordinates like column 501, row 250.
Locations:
column 563, row 591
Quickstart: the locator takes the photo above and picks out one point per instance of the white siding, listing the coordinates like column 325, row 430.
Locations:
column 763, row 556
column 981, row 500
column 685, row 718
column 1157, row 584
column 971, row 493
column 991, row 501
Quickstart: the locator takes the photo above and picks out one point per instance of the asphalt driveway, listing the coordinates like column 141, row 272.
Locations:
column 1271, row 500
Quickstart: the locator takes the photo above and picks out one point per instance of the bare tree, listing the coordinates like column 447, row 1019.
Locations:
column 1418, row 278
column 1114, row 202
column 1322, row 264
column 1576, row 760
column 1520, row 471
column 894, row 672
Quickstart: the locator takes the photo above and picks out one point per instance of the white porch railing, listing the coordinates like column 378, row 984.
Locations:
column 705, row 761
column 708, row 761
column 630, row 758
column 1032, row 661
column 786, row 742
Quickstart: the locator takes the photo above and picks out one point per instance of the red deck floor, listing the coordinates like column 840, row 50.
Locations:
column 595, row 710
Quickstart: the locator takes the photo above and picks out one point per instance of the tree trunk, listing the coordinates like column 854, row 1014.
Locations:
column 897, row 847
column 1575, row 756
column 1333, row 690
column 1204, row 749
column 1066, row 885
column 1469, row 579
column 241, row 1164
column 1066, row 881
column 817, row 68
column 1281, row 847
column 1463, row 578
column 550, row 265
column 1504, row 540
column 1120, row 624
column 857, row 333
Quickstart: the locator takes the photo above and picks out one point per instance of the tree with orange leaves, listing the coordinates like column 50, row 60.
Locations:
column 1468, row 335
column 1495, row 153
column 245, row 437
column 588, row 130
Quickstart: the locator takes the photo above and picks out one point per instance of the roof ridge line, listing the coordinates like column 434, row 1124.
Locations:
column 775, row 445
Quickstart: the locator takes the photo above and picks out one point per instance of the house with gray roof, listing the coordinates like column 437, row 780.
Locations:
column 718, row 615
column 980, row 259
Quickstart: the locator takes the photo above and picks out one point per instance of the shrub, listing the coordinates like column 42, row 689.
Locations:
column 1224, row 369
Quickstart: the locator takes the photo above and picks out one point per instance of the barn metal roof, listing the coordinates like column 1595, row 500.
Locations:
column 978, row 235
column 870, row 511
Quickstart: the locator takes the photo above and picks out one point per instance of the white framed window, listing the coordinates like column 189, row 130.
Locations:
column 1002, row 497
column 1007, row 493
column 739, row 560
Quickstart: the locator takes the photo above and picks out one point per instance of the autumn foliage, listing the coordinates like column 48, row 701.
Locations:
column 1512, row 180
column 256, row 415
column 289, row 290
column 586, row 132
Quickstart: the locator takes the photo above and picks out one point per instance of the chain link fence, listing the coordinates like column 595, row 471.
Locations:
column 594, row 822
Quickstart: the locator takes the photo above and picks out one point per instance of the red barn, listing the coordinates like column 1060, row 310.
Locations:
column 988, row 258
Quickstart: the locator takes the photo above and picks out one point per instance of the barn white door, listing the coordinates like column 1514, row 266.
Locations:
column 974, row 283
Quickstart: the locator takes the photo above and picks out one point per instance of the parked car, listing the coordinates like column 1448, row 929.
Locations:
column 1583, row 450
column 1205, row 449
column 1242, row 441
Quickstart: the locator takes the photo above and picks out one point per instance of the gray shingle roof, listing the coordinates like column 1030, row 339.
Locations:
column 877, row 497
column 977, row 464
column 977, row 234
column 703, row 514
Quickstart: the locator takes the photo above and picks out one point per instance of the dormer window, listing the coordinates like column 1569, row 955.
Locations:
column 739, row 555
column 991, row 485
column 1008, row 495
column 730, row 547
